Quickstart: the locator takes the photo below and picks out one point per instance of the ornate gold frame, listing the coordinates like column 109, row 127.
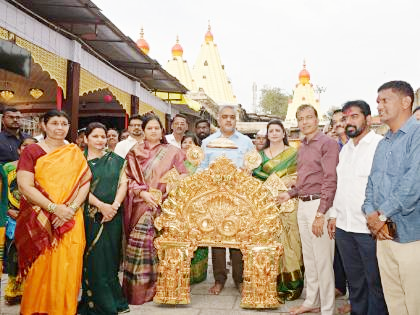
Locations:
column 222, row 207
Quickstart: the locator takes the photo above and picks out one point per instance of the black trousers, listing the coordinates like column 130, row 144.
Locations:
column 358, row 253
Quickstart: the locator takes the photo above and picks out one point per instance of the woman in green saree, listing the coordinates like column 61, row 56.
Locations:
column 102, row 292
column 199, row 262
column 279, row 162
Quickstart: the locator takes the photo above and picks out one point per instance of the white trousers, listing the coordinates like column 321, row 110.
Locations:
column 318, row 258
column 399, row 266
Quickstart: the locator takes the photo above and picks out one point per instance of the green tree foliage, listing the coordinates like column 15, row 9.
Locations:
column 273, row 101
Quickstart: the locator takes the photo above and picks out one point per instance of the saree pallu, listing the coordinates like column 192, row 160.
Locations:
column 14, row 289
column 199, row 262
column 53, row 257
column 145, row 167
column 290, row 279
column 102, row 292
column 3, row 210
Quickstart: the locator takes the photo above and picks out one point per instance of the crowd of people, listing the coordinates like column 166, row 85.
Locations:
column 73, row 216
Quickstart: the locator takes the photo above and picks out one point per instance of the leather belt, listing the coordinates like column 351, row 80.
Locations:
column 310, row 197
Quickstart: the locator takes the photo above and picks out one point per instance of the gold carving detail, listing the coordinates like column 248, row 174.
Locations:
column 195, row 155
column 91, row 83
column 221, row 206
column 252, row 159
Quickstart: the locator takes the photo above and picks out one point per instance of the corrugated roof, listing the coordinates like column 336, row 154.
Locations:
column 82, row 20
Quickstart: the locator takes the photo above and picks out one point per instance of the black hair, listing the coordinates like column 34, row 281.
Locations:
column 115, row 129
column 194, row 138
column 306, row 106
column 180, row 116
column 337, row 111
column 81, row 132
column 416, row 109
column 202, row 121
column 362, row 105
column 94, row 125
column 55, row 113
column 10, row 109
column 28, row 138
column 146, row 118
column 137, row 117
column 279, row 123
column 401, row 87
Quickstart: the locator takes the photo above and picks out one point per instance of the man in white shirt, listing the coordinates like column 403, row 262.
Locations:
column 136, row 136
column 179, row 126
column 347, row 222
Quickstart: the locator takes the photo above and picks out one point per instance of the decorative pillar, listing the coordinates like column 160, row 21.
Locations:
column 135, row 105
column 59, row 98
column 71, row 105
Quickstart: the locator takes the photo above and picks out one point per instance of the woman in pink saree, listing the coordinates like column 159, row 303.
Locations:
column 147, row 162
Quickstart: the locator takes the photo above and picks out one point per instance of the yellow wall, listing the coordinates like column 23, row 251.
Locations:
column 144, row 108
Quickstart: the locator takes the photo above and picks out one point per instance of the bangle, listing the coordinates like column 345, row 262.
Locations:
column 73, row 206
column 51, row 207
column 118, row 204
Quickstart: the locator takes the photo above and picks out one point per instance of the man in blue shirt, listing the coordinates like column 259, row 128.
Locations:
column 11, row 136
column 234, row 148
column 393, row 194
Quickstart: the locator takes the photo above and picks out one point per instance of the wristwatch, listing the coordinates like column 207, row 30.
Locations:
column 382, row 217
column 319, row 215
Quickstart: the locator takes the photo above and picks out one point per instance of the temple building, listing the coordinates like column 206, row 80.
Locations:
column 303, row 94
column 142, row 44
column 179, row 68
column 209, row 73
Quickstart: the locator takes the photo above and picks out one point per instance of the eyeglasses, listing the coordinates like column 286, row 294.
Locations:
column 13, row 117
column 56, row 124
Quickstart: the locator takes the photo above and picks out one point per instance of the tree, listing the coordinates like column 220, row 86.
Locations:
column 273, row 101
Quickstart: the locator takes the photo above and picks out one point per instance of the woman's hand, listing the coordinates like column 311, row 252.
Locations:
column 148, row 199
column 13, row 213
column 107, row 211
column 63, row 214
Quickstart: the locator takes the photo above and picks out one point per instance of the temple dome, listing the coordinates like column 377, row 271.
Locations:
column 142, row 44
column 304, row 75
column 177, row 50
column 209, row 36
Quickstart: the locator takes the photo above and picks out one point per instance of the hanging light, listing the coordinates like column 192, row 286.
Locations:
column 7, row 94
column 36, row 93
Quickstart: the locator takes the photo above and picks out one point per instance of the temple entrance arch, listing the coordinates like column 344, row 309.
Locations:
column 101, row 106
column 220, row 207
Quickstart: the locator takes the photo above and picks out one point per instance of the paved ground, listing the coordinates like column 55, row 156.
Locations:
column 202, row 303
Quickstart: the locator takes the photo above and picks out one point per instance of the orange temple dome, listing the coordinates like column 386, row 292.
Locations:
column 304, row 75
column 142, row 44
column 177, row 50
column 209, row 36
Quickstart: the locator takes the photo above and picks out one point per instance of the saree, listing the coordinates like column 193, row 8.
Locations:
column 101, row 289
column 14, row 289
column 145, row 167
column 290, row 278
column 3, row 210
column 199, row 262
column 51, row 259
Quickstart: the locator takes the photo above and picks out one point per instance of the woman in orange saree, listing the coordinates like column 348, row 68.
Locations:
column 54, row 180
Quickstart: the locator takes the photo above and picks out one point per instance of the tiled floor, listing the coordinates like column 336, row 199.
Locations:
column 202, row 303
